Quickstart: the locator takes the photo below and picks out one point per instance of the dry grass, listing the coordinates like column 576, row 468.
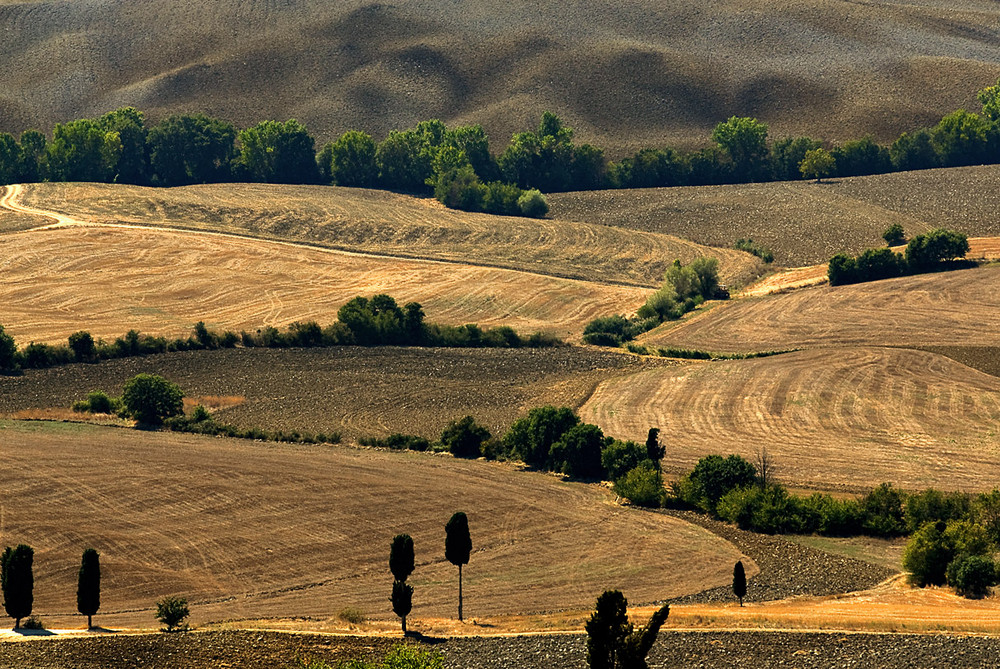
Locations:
column 630, row 74
column 246, row 530
column 945, row 309
column 108, row 281
column 835, row 418
column 802, row 223
column 892, row 607
column 385, row 223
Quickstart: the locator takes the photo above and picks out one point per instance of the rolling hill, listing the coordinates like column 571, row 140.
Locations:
column 802, row 223
column 624, row 74
column 245, row 531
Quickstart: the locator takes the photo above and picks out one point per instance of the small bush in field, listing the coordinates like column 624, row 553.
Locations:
column 172, row 612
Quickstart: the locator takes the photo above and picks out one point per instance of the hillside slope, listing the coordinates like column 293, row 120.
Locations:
column 245, row 531
column 625, row 74
column 802, row 222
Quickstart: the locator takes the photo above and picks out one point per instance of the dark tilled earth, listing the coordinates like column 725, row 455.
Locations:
column 352, row 390
column 251, row 650
column 786, row 568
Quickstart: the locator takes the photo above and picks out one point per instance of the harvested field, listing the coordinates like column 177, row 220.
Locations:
column 384, row 223
column 631, row 73
column 984, row 358
column 832, row 419
column 108, row 281
column 802, row 223
column 249, row 530
column 356, row 391
column 958, row 308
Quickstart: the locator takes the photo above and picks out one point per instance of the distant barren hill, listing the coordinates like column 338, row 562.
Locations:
column 625, row 74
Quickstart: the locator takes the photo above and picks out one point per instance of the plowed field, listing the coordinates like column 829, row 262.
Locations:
column 802, row 223
column 946, row 309
column 246, row 530
column 835, row 418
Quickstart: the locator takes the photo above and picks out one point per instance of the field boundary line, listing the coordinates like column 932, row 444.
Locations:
column 10, row 201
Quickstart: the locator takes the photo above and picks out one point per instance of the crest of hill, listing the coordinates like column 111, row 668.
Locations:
column 386, row 223
column 801, row 222
column 625, row 74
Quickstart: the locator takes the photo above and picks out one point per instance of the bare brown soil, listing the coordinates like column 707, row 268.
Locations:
column 247, row 530
column 625, row 74
column 384, row 223
column 802, row 223
column 957, row 308
column 355, row 391
column 833, row 418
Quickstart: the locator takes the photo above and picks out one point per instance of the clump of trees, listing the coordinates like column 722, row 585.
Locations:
column 685, row 287
column 929, row 252
column 375, row 321
column 957, row 552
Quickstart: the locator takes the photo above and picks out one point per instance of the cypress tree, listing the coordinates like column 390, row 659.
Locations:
column 654, row 451
column 401, row 563
column 17, row 582
column 458, row 547
column 739, row 581
column 88, row 589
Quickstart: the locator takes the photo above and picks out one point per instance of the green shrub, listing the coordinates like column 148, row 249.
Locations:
column 531, row 438
column 972, row 576
column 621, row 457
column 533, row 204
column 200, row 414
column 172, row 612
column 10, row 360
column 150, row 398
column 935, row 545
column 769, row 510
column 894, row 235
column 749, row 246
column 883, row 511
column 464, row 438
column 842, row 270
column 83, row 347
column 99, row 402
column 578, row 452
column 932, row 505
column 929, row 249
column 32, row 623
column 642, row 485
column 714, row 476
column 352, row 615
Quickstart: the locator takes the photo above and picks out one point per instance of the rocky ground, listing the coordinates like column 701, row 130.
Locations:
column 250, row 650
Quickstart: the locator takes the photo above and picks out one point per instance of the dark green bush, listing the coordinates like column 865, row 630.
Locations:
column 972, row 576
column 464, row 438
column 642, row 485
column 749, row 246
column 714, row 476
column 620, row 457
column 883, row 511
column 577, row 452
column 932, row 505
column 531, row 438
column 150, row 398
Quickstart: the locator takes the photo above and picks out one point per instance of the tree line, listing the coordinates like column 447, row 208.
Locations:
column 929, row 252
column 17, row 583
column 375, row 321
column 457, row 165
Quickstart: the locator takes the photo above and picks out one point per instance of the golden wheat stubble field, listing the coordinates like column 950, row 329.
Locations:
column 803, row 223
column 252, row 531
column 385, row 223
column 947, row 309
column 832, row 418
column 107, row 281
column 625, row 74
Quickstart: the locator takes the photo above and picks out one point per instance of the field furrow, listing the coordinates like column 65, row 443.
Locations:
column 834, row 418
column 246, row 531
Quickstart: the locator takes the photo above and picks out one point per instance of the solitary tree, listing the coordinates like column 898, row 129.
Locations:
column 17, row 582
column 739, row 581
column 171, row 611
column 894, row 235
column 88, row 589
column 654, row 451
column 401, row 562
column 151, row 398
column 818, row 163
column 464, row 438
column 457, row 547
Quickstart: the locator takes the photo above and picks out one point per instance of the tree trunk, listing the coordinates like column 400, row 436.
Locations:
column 459, row 593
column 404, row 625
column 17, row 623
column 90, row 622
column 741, row 601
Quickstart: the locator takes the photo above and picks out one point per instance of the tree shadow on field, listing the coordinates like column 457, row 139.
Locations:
column 32, row 632
column 423, row 638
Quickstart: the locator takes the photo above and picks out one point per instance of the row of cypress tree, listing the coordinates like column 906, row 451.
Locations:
column 17, row 582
